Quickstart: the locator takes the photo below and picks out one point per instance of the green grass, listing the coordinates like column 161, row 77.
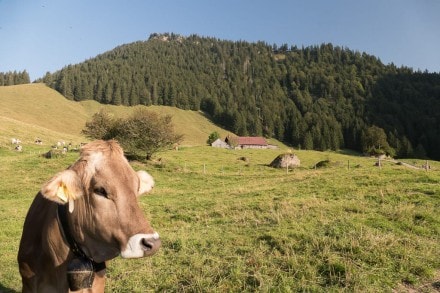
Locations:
column 230, row 225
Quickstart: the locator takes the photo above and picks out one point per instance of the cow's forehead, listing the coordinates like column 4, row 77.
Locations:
column 105, row 147
column 95, row 161
column 102, row 156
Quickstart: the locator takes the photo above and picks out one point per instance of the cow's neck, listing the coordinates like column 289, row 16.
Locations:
column 74, row 246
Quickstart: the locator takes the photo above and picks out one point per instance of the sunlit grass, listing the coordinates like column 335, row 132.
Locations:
column 230, row 223
column 35, row 110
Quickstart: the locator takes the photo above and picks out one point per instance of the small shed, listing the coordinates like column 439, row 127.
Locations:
column 218, row 143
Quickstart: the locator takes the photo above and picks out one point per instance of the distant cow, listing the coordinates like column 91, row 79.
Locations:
column 87, row 213
column 15, row 141
column 19, row 148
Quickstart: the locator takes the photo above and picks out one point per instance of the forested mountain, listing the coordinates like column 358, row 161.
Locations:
column 318, row 97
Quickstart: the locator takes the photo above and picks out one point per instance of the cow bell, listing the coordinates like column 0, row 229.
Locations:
column 80, row 273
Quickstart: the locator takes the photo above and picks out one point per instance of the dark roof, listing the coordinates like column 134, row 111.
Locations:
column 251, row 140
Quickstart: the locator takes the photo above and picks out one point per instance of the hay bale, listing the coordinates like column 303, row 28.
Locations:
column 286, row 161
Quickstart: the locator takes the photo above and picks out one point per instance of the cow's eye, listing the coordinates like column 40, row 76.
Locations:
column 100, row 191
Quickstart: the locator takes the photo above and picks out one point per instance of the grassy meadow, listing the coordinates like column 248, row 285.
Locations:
column 230, row 223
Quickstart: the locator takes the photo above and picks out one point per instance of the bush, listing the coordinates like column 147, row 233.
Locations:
column 141, row 135
column 213, row 137
column 145, row 133
column 100, row 126
column 374, row 142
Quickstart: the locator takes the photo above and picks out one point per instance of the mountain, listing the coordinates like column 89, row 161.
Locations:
column 35, row 110
column 319, row 97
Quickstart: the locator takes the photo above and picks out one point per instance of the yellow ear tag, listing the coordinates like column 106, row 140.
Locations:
column 62, row 192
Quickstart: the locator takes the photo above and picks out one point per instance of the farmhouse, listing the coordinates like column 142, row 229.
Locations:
column 250, row 142
column 242, row 142
column 247, row 142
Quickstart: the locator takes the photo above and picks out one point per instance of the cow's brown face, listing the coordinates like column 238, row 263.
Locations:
column 101, row 190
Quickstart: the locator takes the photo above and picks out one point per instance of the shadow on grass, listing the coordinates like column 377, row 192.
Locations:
column 3, row 289
column 349, row 152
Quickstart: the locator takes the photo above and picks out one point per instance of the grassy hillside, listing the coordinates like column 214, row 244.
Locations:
column 35, row 110
column 229, row 225
column 194, row 126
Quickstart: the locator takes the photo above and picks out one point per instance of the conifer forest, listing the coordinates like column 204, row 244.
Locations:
column 321, row 97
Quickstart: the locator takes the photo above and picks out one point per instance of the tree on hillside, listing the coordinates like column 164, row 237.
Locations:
column 146, row 132
column 374, row 142
column 142, row 134
column 14, row 78
column 100, row 126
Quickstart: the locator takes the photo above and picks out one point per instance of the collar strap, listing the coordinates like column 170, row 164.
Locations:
column 76, row 249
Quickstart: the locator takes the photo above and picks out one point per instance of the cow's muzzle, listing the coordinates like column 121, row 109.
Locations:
column 141, row 245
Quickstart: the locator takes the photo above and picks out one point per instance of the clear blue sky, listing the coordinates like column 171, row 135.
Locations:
column 46, row 35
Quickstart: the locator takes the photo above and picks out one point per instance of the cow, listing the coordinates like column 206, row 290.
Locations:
column 88, row 212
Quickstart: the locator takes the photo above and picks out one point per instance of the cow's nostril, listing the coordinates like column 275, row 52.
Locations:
column 141, row 245
column 147, row 244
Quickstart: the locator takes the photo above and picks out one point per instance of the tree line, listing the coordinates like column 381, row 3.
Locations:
column 14, row 78
column 318, row 97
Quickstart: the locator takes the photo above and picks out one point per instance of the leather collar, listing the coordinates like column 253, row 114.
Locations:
column 76, row 249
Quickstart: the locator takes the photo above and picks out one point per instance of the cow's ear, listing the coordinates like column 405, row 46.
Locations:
column 146, row 182
column 64, row 187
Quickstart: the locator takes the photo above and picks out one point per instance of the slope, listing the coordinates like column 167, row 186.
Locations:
column 35, row 110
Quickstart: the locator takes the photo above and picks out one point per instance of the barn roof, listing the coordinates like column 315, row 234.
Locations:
column 251, row 140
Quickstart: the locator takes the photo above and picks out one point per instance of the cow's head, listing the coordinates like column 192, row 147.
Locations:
column 101, row 190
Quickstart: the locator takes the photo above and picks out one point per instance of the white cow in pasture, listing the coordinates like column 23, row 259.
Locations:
column 15, row 141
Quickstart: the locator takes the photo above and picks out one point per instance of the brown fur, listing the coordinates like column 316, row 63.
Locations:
column 101, row 226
